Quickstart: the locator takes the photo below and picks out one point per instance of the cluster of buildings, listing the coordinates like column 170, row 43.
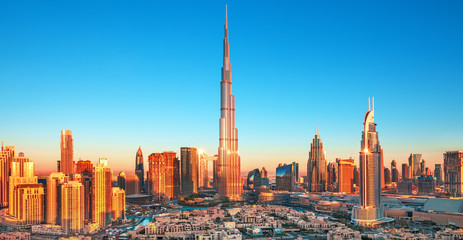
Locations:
column 67, row 199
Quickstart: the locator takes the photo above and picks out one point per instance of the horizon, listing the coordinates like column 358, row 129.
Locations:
column 122, row 82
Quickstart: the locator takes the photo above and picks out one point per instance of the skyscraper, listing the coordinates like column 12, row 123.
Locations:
column 202, row 171
column 21, row 173
column 253, row 180
column 53, row 199
column 118, row 204
column 405, row 171
column 387, row 175
column 67, row 152
column 453, row 173
column 394, row 172
column 157, row 174
column 72, row 207
column 189, row 170
column 263, row 173
column 229, row 184
column 132, row 184
column 438, row 174
column 369, row 212
column 139, row 169
column 6, row 156
column 84, row 167
column 121, row 180
column 27, row 202
column 414, row 165
column 101, row 194
column 285, row 177
column 316, row 166
column 172, row 181
column 345, row 175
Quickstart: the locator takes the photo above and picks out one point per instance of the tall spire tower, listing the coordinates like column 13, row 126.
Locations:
column 228, row 167
column 369, row 211
column 139, row 169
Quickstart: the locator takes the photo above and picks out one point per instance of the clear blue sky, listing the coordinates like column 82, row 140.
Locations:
column 122, row 74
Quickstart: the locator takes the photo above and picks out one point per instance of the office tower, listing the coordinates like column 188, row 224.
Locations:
column 345, row 175
column 53, row 199
column 132, row 184
column 438, row 174
column 369, row 212
column 387, row 175
column 172, row 181
column 189, row 170
column 286, row 177
column 316, row 166
column 414, row 165
column 72, row 207
column 263, row 173
column 453, row 161
column 426, row 185
column 27, row 202
column 67, row 152
column 156, row 174
column 229, row 183
column 6, row 156
column 253, row 181
column 118, row 204
column 405, row 186
column 405, row 171
column 394, row 172
column 202, row 171
column 139, row 169
column 121, row 180
column 87, row 183
column 101, row 194
column 84, row 167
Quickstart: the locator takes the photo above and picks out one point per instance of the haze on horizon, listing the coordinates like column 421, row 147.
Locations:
column 120, row 75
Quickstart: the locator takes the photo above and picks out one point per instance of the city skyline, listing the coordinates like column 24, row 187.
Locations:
column 102, row 131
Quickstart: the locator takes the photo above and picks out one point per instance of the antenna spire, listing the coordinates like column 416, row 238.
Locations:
column 373, row 103
column 226, row 13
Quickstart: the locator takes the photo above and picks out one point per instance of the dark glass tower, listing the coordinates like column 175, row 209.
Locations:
column 139, row 170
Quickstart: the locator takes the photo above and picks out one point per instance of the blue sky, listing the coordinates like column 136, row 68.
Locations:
column 123, row 74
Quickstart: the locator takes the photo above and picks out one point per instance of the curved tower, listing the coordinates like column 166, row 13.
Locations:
column 229, row 183
column 316, row 166
column 369, row 211
column 139, row 169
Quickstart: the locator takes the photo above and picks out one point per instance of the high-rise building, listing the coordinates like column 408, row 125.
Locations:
column 229, row 184
column 101, row 194
column 202, row 171
column 84, row 167
column 118, row 204
column 438, row 174
column 132, row 184
column 87, row 183
column 253, row 181
column 453, row 173
column 387, row 175
column 356, row 176
column 369, row 211
column 423, row 167
column 286, row 177
column 139, row 169
column 72, row 207
column 263, row 173
column 345, row 175
column 189, row 170
column 172, row 181
column 394, row 172
column 6, row 157
column 27, row 202
column 332, row 177
column 21, row 172
column 414, row 165
column 405, row 171
column 121, row 180
column 67, row 152
column 316, row 166
column 54, row 197
column 156, row 174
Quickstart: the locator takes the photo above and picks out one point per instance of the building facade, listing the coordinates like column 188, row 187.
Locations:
column 72, row 207
column 53, row 199
column 101, row 194
column 438, row 174
column 345, row 175
column 229, row 184
column 189, row 170
column 28, row 203
column 6, row 157
column 253, row 181
column 414, row 165
column 316, row 166
column 139, row 168
column 118, row 204
column 286, row 177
